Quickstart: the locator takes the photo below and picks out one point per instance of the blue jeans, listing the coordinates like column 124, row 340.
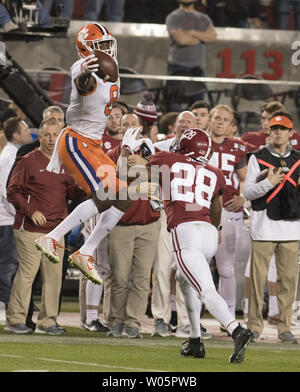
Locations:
column 114, row 10
column 8, row 261
column 4, row 15
column 284, row 8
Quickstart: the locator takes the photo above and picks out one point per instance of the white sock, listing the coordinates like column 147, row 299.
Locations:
column 227, row 290
column 91, row 315
column 105, row 224
column 273, row 307
column 232, row 326
column 246, row 305
column 173, row 302
column 80, row 214
column 93, row 293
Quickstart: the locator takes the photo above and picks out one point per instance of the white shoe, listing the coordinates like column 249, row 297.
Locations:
column 86, row 265
column 183, row 332
column 10, row 26
column 47, row 246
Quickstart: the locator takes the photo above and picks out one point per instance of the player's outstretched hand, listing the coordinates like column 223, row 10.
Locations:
column 90, row 63
column 132, row 140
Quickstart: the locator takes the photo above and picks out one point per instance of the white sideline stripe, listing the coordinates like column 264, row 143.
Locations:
column 83, row 363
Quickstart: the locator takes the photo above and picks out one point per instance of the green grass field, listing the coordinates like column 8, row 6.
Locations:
column 95, row 352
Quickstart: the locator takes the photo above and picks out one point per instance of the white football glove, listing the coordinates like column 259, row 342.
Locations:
column 131, row 139
column 90, row 63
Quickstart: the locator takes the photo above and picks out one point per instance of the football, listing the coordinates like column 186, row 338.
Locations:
column 108, row 67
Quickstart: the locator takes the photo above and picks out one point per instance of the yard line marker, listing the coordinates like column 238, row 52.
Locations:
column 82, row 363
column 97, row 364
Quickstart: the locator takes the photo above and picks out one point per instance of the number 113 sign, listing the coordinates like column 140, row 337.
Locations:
column 274, row 59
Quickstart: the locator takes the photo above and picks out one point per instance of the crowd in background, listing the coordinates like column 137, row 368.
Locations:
column 169, row 126
column 266, row 14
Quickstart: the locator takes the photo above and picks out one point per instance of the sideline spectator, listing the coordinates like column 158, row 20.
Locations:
column 89, row 293
column 146, row 110
column 112, row 135
column 17, row 133
column 64, row 8
column 275, row 224
column 57, row 113
column 40, row 199
column 201, row 111
column 6, row 23
column 114, row 10
column 189, row 31
column 167, row 124
column 284, row 9
column 137, row 232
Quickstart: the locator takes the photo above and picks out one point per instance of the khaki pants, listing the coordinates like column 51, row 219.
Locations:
column 30, row 260
column 106, row 318
column 286, row 258
column 132, row 250
column 160, row 301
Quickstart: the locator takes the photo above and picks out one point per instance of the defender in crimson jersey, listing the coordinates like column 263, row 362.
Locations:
column 190, row 196
column 193, row 186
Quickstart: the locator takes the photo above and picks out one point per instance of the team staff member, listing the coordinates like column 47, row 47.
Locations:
column 17, row 134
column 275, row 223
column 138, row 233
column 40, row 199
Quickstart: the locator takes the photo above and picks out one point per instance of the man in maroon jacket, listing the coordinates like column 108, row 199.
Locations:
column 137, row 232
column 40, row 199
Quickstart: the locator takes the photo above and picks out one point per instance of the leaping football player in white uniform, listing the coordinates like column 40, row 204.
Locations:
column 78, row 148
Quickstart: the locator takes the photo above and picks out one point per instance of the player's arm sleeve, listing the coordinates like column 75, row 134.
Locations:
column 253, row 190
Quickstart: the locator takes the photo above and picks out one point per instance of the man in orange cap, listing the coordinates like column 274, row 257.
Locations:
column 275, row 223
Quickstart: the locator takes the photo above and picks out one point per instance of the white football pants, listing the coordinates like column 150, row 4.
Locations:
column 193, row 245
column 226, row 255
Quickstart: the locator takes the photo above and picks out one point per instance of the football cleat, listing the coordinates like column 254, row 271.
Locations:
column 47, row 246
column 241, row 338
column 94, row 326
column 193, row 348
column 86, row 265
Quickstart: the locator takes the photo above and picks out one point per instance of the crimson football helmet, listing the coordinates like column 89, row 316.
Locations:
column 95, row 36
column 196, row 144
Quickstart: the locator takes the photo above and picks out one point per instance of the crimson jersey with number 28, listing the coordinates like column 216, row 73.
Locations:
column 187, row 187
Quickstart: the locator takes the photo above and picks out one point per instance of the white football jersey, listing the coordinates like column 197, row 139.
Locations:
column 87, row 114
